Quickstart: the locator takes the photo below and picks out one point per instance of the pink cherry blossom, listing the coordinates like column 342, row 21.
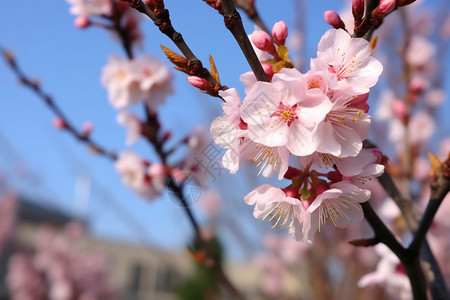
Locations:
column 197, row 163
column 155, row 79
column 340, row 204
column 348, row 61
column 272, row 204
column 389, row 274
column 134, row 174
column 284, row 112
column 86, row 8
column 343, row 130
column 229, row 132
column 122, row 82
column 133, row 125
column 141, row 79
column 420, row 51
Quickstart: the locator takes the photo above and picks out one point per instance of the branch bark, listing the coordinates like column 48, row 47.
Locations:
column 233, row 22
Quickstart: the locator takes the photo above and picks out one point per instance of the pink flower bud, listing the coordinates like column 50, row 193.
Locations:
column 358, row 9
column 279, row 32
column 178, row 175
column 200, row 83
column 268, row 69
column 167, row 135
column 378, row 154
column 87, row 128
column 418, row 85
column 386, row 6
column 59, row 123
column 82, row 22
column 332, row 18
column 399, row 109
column 262, row 41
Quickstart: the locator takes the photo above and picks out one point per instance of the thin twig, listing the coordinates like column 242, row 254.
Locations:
column 249, row 8
column 48, row 100
column 233, row 22
column 382, row 233
column 410, row 262
column 163, row 22
column 412, row 216
column 439, row 190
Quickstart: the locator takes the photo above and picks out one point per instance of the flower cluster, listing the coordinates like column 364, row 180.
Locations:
column 59, row 269
column 141, row 79
column 321, row 118
column 148, row 180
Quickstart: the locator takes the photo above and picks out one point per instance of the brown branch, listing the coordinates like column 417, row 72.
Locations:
column 233, row 22
column 410, row 262
column 151, row 132
column 51, row 104
column 412, row 216
column 161, row 19
column 248, row 6
column 439, row 189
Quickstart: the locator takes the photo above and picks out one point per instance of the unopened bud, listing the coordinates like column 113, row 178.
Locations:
column 399, row 109
column 332, row 18
column 82, row 22
column 418, row 85
column 200, row 83
column 279, row 32
column 262, row 41
column 358, row 9
column 167, row 135
column 178, row 175
column 385, row 7
column 87, row 128
column 59, row 123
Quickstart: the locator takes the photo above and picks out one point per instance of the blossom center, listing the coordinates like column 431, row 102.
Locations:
column 286, row 113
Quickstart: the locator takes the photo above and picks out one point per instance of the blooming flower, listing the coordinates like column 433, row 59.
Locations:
column 284, row 112
column 132, row 123
column 273, row 204
column 131, row 81
column 86, row 8
column 134, row 172
column 348, row 61
column 340, row 204
column 343, row 130
column 389, row 274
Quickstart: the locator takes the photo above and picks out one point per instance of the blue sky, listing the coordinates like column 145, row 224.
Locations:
column 45, row 163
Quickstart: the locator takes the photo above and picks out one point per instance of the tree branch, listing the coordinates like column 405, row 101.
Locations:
column 51, row 104
column 233, row 22
column 411, row 263
column 439, row 189
column 249, row 8
column 162, row 20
